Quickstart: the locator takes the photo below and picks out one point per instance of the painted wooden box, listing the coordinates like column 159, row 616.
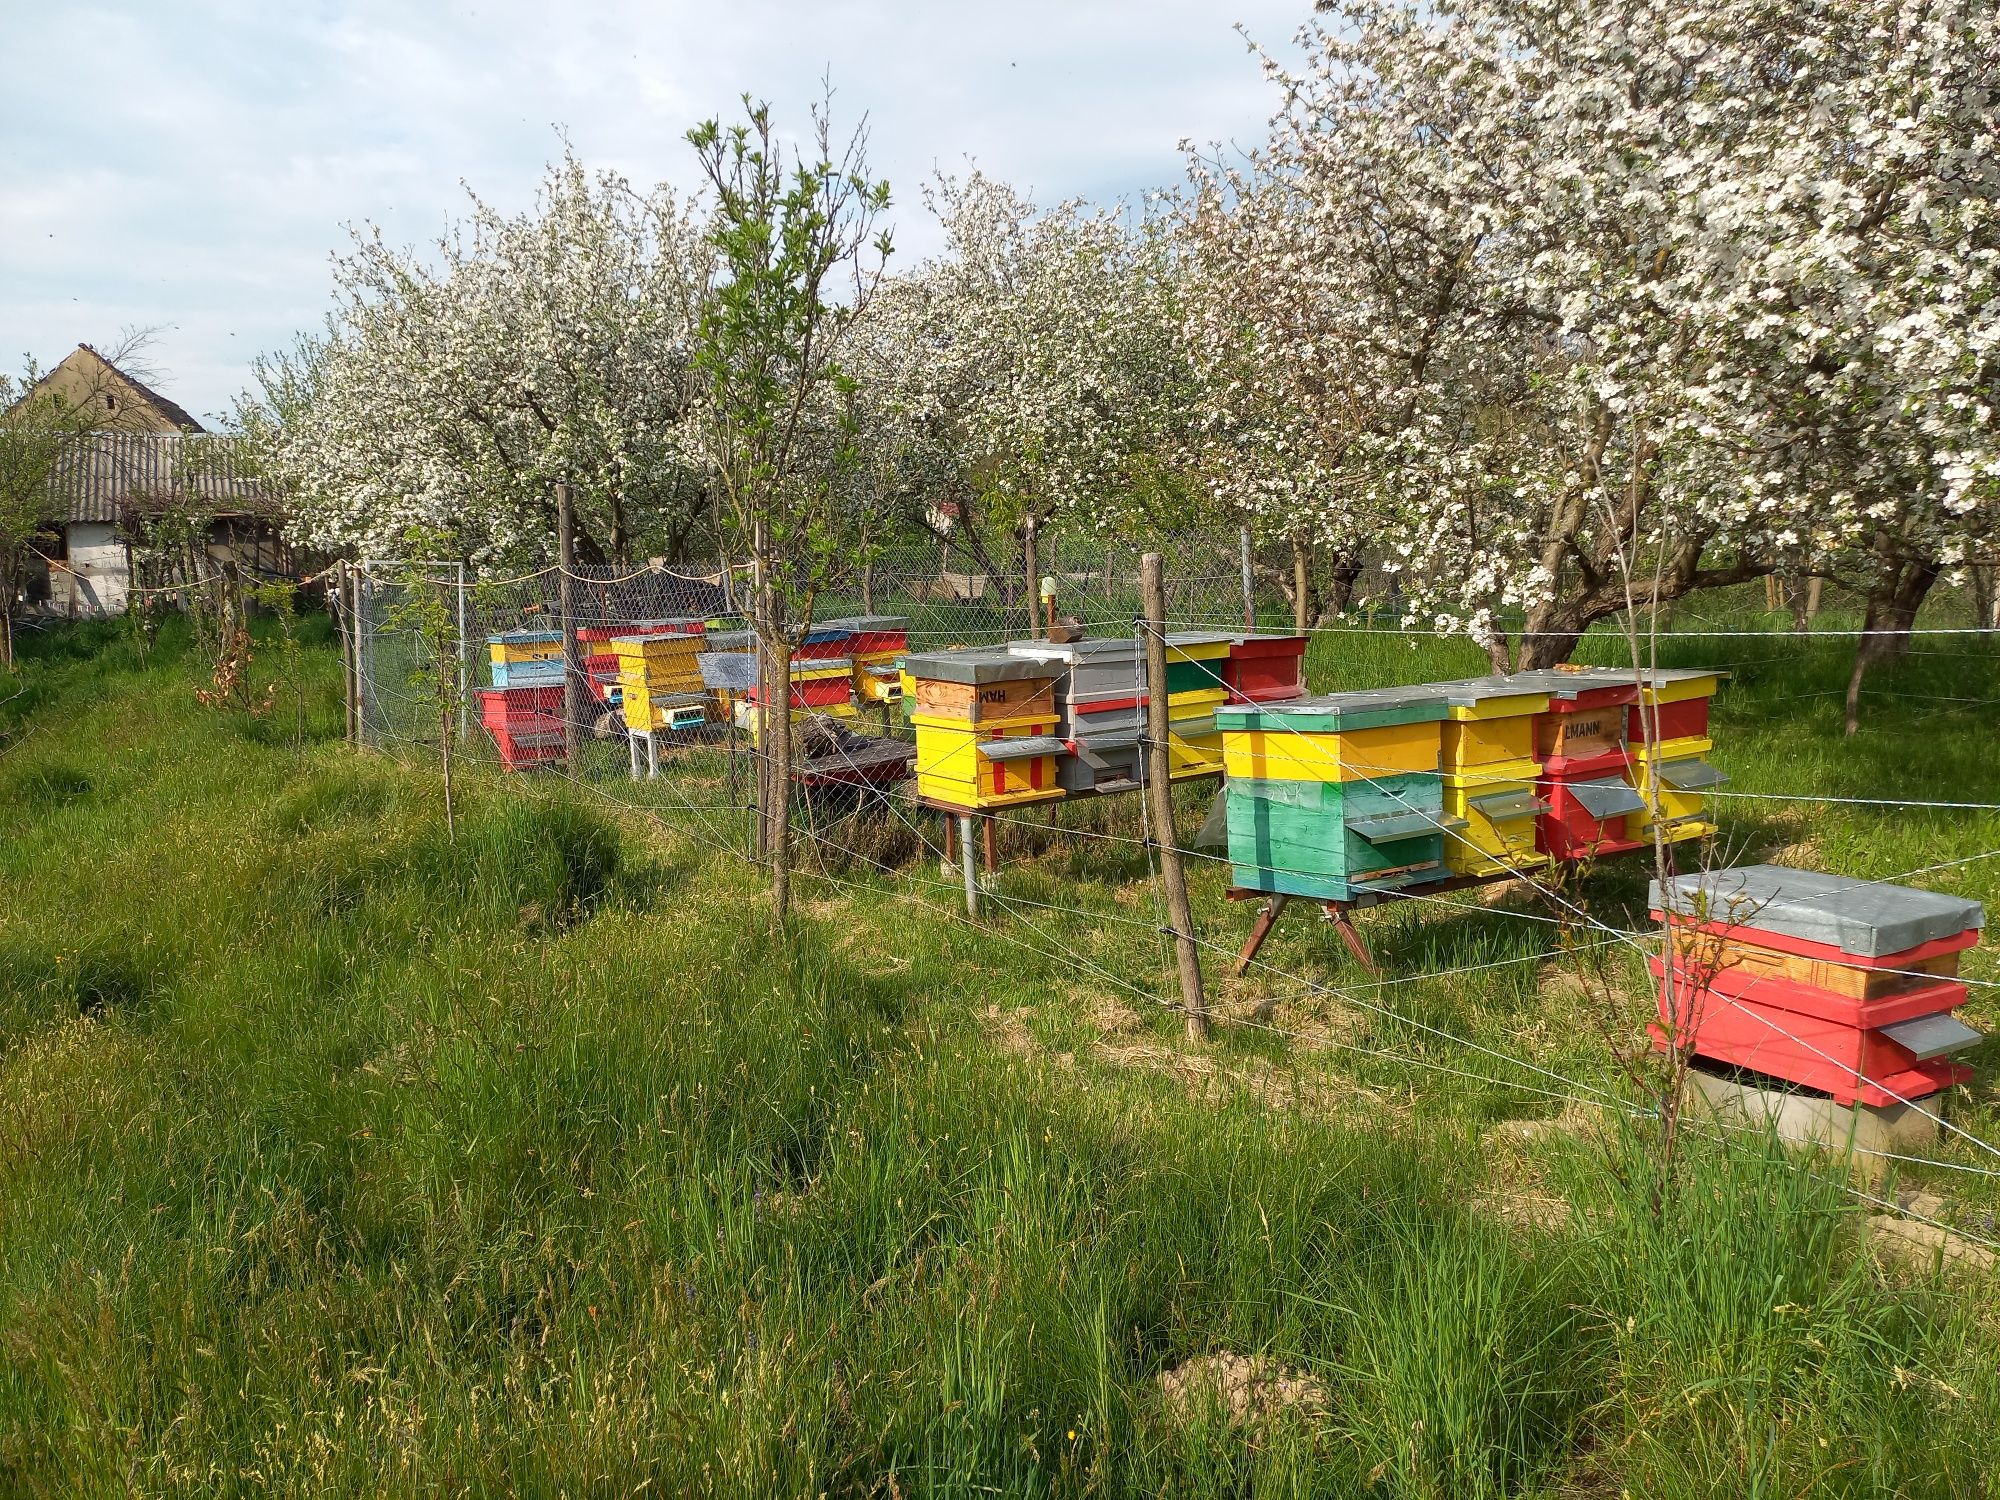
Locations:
column 1752, row 981
column 1500, row 809
column 1590, row 807
column 1335, row 840
column 986, row 686
column 988, row 764
column 1334, row 737
column 1265, row 668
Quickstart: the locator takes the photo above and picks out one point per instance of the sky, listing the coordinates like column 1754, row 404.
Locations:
column 190, row 166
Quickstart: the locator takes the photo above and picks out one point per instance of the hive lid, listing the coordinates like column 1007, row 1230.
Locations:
column 1610, row 797
column 1369, row 709
column 523, row 637
column 1117, row 648
column 731, row 640
column 1690, row 775
column 1864, row 917
column 988, row 664
column 865, row 624
column 1933, row 1035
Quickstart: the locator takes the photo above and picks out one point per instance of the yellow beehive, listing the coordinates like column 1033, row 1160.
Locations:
column 507, row 652
column 1498, row 806
column 1494, row 727
column 1194, row 744
column 985, row 765
column 1683, row 783
column 877, row 678
column 1345, row 755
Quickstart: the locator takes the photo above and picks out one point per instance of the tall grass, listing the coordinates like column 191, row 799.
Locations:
column 340, row 1157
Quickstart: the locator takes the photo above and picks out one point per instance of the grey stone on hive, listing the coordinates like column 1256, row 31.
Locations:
column 1867, row 918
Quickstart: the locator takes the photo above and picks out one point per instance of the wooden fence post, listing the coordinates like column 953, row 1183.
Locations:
column 1160, row 794
column 573, row 695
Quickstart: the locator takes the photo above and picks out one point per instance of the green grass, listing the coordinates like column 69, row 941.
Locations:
column 340, row 1156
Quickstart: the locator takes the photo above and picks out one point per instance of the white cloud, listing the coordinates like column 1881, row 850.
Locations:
column 192, row 165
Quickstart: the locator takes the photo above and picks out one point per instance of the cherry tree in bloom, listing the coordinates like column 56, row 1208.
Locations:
column 1284, row 395
column 1546, row 230
column 454, row 389
column 1025, row 374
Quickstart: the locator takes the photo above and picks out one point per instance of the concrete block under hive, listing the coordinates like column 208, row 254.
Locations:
column 1837, row 985
column 1336, row 840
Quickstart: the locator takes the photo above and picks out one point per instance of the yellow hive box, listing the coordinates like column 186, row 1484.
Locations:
column 1497, row 739
column 746, row 715
column 1196, row 702
column 507, row 652
column 1499, row 815
column 1681, row 690
column 1683, row 807
column 1688, row 747
column 647, row 705
column 1196, row 755
column 985, row 765
column 1346, row 755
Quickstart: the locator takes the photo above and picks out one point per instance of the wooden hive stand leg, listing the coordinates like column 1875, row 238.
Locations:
column 1266, row 919
column 1342, row 916
column 986, row 839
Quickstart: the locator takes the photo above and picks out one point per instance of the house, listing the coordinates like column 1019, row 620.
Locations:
column 144, row 461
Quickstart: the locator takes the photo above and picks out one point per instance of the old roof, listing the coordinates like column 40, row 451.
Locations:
column 111, row 476
column 84, row 375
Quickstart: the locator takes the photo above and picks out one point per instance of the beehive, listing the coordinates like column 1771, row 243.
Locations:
column 1336, row 840
column 986, row 764
column 1500, row 809
column 525, row 658
column 1265, row 668
column 1334, row 737
column 987, row 685
column 1491, row 720
column 1683, row 781
column 1824, row 981
column 524, row 723
column 817, row 683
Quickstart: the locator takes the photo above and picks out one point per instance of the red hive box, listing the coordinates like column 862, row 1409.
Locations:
column 1265, row 668
column 1590, row 802
column 525, row 723
column 1837, row 985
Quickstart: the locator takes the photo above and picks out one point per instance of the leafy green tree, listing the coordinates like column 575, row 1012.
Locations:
column 798, row 257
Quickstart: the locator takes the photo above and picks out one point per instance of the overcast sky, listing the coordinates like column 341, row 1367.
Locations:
column 192, row 165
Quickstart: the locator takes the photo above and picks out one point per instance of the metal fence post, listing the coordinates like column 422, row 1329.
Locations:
column 464, row 661
column 1249, row 598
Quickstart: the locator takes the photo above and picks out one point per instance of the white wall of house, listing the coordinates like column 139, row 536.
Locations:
column 99, row 575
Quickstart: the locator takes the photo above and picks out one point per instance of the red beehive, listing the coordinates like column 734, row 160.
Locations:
column 1265, row 668
column 1843, row 986
column 1590, row 806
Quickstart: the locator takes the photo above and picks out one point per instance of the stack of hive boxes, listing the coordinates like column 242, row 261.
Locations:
column 1336, row 796
column 1585, row 764
column 1491, row 775
column 600, row 660
column 659, row 679
column 1197, row 668
column 1828, row 983
column 986, row 727
column 875, row 644
column 1668, row 730
column 522, row 711
column 1099, row 691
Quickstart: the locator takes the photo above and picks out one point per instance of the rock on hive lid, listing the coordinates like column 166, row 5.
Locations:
column 1864, row 917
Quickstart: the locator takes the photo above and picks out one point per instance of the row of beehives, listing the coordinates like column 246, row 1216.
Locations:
column 647, row 675
column 1339, row 795
column 1037, row 720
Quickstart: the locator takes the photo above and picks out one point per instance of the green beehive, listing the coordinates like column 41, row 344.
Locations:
column 1334, row 840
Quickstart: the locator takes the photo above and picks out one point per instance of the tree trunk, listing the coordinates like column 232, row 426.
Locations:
column 1339, row 593
column 781, row 785
column 1892, row 613
column 1301, row 593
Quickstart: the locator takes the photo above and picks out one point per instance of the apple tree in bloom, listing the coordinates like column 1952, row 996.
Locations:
column 453, row 388
column 1027, row 373
column 1545, row 231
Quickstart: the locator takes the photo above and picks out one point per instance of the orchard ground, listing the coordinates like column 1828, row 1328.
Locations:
column 338, row 1156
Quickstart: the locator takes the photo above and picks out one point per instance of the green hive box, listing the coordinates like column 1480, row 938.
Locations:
column 1335, row 840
